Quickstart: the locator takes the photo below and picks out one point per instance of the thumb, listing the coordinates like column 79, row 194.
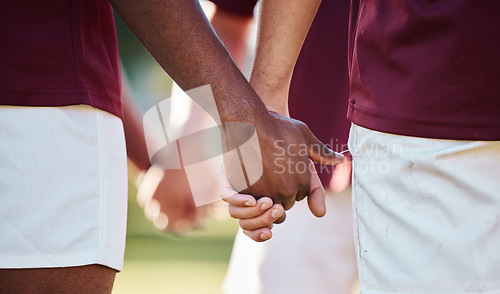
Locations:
column 316, row 198
column 318, row 152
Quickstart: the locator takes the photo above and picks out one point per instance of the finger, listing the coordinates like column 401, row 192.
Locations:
column 316, row 202
column 250, row 212
column 181, row 217
column 287, row 204
column 318, row 152
column 229, row 195
column 303, row 192
column 152, row 209
column 161, row 221
column 259, row 235
column 149, row 185
column 169, row 222
column 226, row 189
column 241, row 200
column 263, row 220
column 172, row 218
column 316, row 198
column 180, row 227
column 281, row 219
column 226, row 192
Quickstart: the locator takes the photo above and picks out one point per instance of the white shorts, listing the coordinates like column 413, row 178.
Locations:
column 305, row 255
column 63, row 187
column 427, row 213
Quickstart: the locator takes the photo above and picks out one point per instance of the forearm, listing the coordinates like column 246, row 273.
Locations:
column 180, row 38
column 283, row 27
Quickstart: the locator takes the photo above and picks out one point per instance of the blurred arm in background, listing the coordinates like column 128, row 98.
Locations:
column 163, row 194
column 233, row 30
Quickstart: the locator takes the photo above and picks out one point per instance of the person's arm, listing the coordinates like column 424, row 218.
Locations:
column 283, row 27
column 282, row 30
column 180, row 38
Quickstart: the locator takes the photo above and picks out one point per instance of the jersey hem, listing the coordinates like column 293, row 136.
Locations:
column 46, row 98
column 387, row 123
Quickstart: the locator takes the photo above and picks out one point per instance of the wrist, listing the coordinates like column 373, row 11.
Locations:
column 283, row 110
column 276, row 102
column 240, row 104
column 274, row 96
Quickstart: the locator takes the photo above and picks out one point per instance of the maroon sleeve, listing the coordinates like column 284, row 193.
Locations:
column 320, row 84
column 59, row 53
column 239, row 7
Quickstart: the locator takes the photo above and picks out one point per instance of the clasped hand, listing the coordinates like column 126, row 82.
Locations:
column 287, row 148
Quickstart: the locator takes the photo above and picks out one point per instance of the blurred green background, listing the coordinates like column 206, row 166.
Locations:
column 157, row 262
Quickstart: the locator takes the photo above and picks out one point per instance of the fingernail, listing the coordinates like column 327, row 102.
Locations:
column 265, row 206
column 276, row 213
column 248, row 203
column 263, row 236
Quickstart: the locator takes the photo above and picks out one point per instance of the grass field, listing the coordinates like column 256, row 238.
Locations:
column 156, row 262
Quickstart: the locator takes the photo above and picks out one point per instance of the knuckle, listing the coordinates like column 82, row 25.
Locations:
column 288, row 205
column 250, row 224
column 233, row 211
column 244, row 224
column 268, row 220
column 227, row 198
column 300, row 197
column 287, row 192
column 287, row 199
column 304, row 182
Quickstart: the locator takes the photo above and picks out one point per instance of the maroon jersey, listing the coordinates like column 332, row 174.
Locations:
column 426, row 68
column 59, row 53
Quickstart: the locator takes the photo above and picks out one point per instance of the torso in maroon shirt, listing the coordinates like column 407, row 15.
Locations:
column 59, row 53
column 426, row 68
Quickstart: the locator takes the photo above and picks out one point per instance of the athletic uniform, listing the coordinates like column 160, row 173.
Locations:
column 425, row 107
column 62, row 159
